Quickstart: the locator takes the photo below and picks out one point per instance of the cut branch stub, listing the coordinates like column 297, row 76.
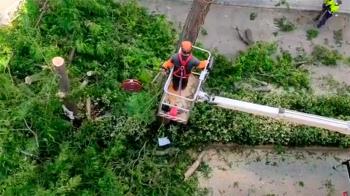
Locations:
column 58, row 63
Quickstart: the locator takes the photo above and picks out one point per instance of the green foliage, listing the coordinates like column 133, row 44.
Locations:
column 311, row 34
column 284, row 24
column 115, row 154
column 204, row 32
column 282, row 2
column 325, row 56
column 253, row 15
column 41, row 152
column 259, row 62
column 347, row 60
column 205, row 169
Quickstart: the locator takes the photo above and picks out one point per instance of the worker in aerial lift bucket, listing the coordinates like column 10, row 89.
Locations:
column 329, row 8
column 183, row 63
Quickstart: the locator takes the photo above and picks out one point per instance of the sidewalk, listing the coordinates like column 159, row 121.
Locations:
column 8, row 9
column 309, row 5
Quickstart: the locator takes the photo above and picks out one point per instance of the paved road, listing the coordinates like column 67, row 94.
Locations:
column 263, row 171
column 311, row 5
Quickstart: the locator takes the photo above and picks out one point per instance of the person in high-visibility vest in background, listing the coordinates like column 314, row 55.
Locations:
column 329, row 8
column 183, row 63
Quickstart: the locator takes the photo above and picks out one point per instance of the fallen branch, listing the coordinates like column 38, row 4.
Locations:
column 43, row 10
column 263, row 89
column 88, row 108
column 241, row 37
column 35, row 135
column 27, row 153
column 168, row 151
column 247, row 39
column 194, row 166
column 71, row 56
column 249, row 36
column 263, row 83
column 301, row 63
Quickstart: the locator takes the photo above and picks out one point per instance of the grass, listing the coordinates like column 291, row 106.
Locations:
column 325, row 56
column 282, row 2
column 330, row 187
column 204, row 32
column 347, row 61
column 116, row 155
column 284, row 24
column 279, row 149
column 301, row 183
column 253, row 15
column 206, row 170
column 311, row 34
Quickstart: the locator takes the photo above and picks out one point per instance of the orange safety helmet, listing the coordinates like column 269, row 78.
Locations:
column 186, row 47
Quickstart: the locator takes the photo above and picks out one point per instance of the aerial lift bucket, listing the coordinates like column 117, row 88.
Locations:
column 176, row 105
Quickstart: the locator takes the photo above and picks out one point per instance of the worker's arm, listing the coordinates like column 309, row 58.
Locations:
column 334, row 9
column 168, row 64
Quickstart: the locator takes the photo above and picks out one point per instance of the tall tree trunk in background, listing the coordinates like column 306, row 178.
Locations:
column 195, row 19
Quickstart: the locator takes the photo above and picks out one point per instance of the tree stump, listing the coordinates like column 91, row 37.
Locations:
column 69, row 107
column 60, row 68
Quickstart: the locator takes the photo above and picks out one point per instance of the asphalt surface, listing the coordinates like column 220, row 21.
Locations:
column 309, row 5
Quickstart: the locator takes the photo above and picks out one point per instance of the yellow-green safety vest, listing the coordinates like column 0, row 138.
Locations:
column 333, row 5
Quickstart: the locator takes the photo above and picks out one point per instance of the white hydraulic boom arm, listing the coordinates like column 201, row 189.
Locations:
column 278, row 113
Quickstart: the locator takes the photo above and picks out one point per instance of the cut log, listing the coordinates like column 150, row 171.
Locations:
column 69, row 107
column 58, row 63
column 194, row 166
column 88, row 108
column 247, row 39
column 249, row 36
column 242, row 38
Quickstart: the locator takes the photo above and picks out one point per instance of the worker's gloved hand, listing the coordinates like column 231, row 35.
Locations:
column 335, row 14
column 164, row 72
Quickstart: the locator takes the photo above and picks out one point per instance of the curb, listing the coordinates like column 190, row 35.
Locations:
column 315, row 5
column 304, row 5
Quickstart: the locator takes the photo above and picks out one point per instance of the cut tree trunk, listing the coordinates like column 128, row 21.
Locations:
column 58, row 63
column 69, row 106
column 195, row 19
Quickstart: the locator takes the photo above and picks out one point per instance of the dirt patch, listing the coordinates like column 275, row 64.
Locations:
column 326, row 80
column 237, row 171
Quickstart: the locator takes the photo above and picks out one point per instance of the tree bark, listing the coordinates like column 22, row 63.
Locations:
column 195, row 19
column 58, row 63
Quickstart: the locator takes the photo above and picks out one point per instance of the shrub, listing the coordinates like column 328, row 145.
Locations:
column 311, row 34
column 284, row 24
column 325, row 56
column 259, row 62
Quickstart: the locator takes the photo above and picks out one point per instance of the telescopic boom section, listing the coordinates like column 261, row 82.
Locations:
column 279, row 113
